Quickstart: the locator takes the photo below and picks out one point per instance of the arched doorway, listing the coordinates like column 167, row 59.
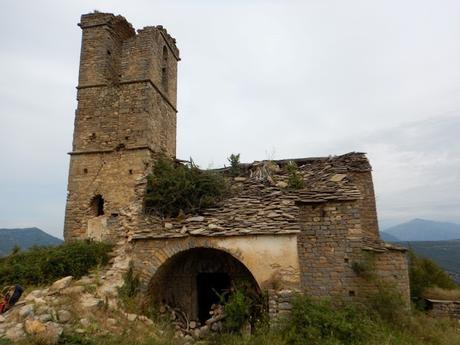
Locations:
column 192, row 280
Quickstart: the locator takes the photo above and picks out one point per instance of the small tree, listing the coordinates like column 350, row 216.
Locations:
column 235, row 168
column 295, row 180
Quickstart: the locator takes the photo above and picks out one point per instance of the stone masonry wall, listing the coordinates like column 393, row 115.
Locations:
column 279, row 303
column 367, row 206
column 331, row 240
column 126, row 114
column 440, row 308
column 112, row 175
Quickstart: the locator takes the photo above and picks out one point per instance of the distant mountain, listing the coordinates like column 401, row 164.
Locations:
column 423, row 230
column 387, row 237
column 24, row 238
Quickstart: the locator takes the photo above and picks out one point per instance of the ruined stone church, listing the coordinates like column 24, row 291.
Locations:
column 282, row 241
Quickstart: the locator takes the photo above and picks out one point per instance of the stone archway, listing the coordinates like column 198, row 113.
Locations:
column 192, row 280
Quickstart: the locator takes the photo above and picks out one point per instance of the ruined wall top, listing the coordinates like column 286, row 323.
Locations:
column 123, row 28
column 263, row 204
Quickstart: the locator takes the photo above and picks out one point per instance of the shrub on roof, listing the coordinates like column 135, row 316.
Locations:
column 175, row 188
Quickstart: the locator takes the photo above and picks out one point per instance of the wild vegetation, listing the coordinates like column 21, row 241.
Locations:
column 174, row 189
column 382, row 319
column 43, row 265
column 425, row 275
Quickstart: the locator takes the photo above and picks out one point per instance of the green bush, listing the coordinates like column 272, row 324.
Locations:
column 388, row 305
column 237, row 311
column 425, row 273
column 43, row 265
column 243, row 306
column 319, row 322
column 176, row 188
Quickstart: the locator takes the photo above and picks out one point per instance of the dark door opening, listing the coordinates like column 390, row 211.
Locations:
column 209, row 286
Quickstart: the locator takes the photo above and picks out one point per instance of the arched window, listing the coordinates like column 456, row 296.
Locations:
column 97, row 205
column 164, row 68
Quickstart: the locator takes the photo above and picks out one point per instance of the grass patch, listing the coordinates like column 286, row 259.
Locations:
column 44, row 265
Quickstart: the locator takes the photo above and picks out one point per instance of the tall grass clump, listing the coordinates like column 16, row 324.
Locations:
column 44, row 265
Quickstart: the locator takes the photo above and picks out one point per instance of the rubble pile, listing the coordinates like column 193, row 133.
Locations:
column 190, row 329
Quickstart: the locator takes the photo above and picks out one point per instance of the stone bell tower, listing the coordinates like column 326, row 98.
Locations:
column 126, row 115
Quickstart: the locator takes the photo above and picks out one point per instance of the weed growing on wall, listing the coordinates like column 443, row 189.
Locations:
column 365, row 267
column 131, row 283
column 130, row 289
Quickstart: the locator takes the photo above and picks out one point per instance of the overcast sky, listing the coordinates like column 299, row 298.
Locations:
column 267, row 79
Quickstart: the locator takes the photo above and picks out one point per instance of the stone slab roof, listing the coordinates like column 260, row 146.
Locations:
column 262, row 204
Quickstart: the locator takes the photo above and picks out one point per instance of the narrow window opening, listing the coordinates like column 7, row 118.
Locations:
column 346, row 260
column 164, row 72
column 97, row 206
column 351, row 293
column 109, row 52
column 165, row 54
column 85, row 171
column 130, row 171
